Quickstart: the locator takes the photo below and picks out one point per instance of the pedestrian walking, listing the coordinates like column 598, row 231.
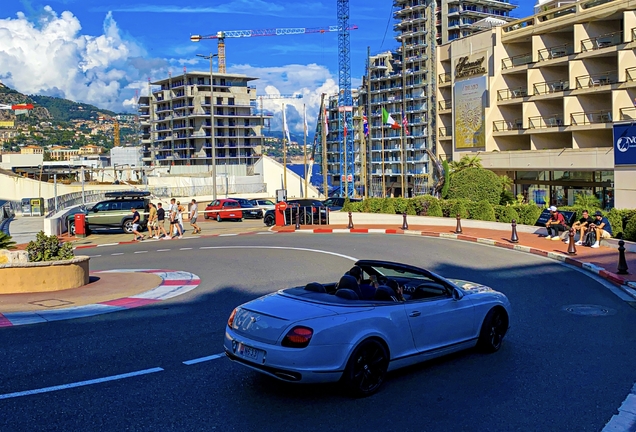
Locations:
column 153, row 226
column 174, row 220
column 194, row 214
column 135, row 225
column 180, row 211
column 161, row 220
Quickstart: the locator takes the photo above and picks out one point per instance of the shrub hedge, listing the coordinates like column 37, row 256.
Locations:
column 475, row 184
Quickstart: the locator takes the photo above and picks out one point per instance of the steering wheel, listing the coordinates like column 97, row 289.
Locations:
column 382, row 280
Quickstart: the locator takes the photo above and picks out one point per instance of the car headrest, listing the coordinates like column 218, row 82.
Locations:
column 315, row 287
column 347, row 294
column 384, row 293
column 349, row 282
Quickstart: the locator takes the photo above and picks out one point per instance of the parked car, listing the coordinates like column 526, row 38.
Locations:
column 222, row 209
column 336, row 203
column 114, row 212
column 252, row 211
column 327, row 333
column 263, row 204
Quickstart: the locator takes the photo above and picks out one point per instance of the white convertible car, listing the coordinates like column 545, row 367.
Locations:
column 332, row 332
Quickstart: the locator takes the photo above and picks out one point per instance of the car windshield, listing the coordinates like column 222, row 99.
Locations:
column 396, row 272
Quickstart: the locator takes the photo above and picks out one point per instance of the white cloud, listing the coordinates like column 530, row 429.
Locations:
column 52, row 57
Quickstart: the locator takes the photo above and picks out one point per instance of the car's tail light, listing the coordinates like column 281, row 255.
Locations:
column 230, row 320
column 298, row 337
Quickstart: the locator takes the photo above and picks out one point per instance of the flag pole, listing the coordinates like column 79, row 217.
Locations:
column 382, row 139
column 305, row 146
column 344, row 145
column 402, row 157
column 284, row 151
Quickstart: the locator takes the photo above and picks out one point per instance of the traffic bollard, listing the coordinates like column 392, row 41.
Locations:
column 514, row 238
column 458, row 229
column 622, row 262
column 405, row 225
column 571, row 244
column 350, row 226
column 297, row 219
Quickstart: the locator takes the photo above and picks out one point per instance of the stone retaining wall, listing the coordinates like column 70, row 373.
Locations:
column 44, row 276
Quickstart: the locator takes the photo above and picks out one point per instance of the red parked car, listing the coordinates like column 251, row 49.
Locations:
column 224, row 209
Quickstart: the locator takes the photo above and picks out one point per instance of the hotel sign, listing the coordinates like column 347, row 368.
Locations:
column 624, row 144
column 468, row 67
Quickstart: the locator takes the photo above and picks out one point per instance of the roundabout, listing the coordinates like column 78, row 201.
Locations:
column 160, row 366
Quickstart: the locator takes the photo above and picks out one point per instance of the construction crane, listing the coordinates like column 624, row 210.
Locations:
column 222, row 35
column 345, row 102
column 116, row 139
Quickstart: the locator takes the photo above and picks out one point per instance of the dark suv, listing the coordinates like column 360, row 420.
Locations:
column 253, row 212
column 309, row 211
column 115, row 212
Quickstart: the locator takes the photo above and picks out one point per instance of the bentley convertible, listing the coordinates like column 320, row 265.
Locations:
column 333, row 332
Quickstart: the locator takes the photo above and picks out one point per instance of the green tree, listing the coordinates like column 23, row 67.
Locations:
column 434, row 209
column 446, row 167
column 587, row 201
column 465, row 162
column 475, row 184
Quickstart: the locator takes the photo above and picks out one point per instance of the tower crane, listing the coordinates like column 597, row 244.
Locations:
column 222, row 35
column 345, row 101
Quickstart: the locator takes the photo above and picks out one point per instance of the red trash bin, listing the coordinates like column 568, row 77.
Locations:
column 80, row 225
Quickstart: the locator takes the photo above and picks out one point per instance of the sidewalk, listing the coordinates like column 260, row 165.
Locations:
column 602, row 261
column 23, row 229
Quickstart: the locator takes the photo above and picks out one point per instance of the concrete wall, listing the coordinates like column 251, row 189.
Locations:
column 625, row 187
column 21, row 160
column 272, row 173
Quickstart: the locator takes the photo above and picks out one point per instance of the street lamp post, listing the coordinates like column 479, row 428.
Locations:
column 212, row 130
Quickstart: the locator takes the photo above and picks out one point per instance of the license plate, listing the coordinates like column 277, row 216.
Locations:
column 232, row 215
column 253, row 212
column 249, row 352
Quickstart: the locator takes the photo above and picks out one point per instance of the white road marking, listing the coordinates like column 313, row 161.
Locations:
column 94, row 256
column 203, row 359
column 264, row 233
column 227, row 235
column 80, row 383
column 140, row 252
column 185, row 249
column 108, row 244
column 117, row 254
column 282, row 248
column 163, row 250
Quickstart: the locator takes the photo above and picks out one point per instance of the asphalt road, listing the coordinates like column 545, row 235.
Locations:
column 556, row 372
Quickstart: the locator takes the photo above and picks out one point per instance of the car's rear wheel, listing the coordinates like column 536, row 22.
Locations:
column 218, row 217
column 269, row 220
column 71, row 229
column 493, row 330
column 366, row 368
column 127, row 226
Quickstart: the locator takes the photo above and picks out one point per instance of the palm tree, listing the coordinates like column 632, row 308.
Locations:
column 6, row 242
column 465, row 162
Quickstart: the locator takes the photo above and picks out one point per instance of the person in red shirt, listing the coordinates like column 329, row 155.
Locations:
column 556, row 224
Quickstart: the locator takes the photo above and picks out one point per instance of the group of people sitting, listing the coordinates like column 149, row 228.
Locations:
column 590, row 230
column 353, row 287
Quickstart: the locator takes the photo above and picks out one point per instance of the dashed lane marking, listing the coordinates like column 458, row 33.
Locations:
column 163, row 250
column 141, row 252
column 184, row 249
column 81, row 383
column 117, row 254
column 203, row 359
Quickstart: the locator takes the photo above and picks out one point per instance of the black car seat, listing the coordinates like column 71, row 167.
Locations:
column 347, row 294
column 384, row 293
column 315, row 287
column 349, row 282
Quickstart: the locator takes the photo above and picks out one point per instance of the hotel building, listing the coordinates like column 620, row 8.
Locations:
column 544, row 100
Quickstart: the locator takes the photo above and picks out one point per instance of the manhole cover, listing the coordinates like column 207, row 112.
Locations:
column 589, row 310
column 51, row 303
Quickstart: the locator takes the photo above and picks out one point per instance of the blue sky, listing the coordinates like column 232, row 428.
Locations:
column 101, row 52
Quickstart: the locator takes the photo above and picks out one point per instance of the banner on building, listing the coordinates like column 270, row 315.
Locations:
column 625, row 144
column 469, row 100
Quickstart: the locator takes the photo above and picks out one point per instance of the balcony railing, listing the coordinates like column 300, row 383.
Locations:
column 507, row 94
column 591, row 117
column 556, row 52
column 634, row 34
column 631, row 73
column 602, row 41
column 444, row 78
column 542, row 122
column 550, row 87
column 518, row 60
column 628, row 113
column 445, row 105
column 596, row 80
column 592, row 3
column 445, row 132
column 507, row 125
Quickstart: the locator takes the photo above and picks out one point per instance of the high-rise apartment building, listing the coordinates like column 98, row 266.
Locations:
column 456, row 18
column 547, row 100
column 177, row 121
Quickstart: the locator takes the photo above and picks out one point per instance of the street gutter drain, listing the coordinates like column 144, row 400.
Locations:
column 589, row 310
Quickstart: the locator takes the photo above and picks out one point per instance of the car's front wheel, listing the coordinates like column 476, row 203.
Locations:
column 71, row 229
column 218, row 217
column 127, row 226
column 366, row 368
column 493, row 330
column 269, row 220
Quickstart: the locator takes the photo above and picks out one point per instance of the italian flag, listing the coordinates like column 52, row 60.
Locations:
column 387, row 119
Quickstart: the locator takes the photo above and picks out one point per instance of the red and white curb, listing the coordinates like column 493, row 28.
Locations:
column 173, row 283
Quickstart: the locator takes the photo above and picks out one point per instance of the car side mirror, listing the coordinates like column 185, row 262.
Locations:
column 457, row 294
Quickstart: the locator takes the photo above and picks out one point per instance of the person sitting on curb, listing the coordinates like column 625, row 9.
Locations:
column 603, row 228
column 555, row 224
column 582, row 225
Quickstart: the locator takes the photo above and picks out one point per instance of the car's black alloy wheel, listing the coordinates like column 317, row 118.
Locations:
column 269, row 220
column 366, row 368
column 493, row 330
column 128, row 226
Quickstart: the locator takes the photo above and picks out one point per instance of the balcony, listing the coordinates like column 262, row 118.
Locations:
column 630, row 73
column 556, row 52
column 445, row 133
column 603, row 41
column 596, row 80
column 591, row 117
column 507, row 125
column 628, row 113
column 514, row 61
column 445, row 105
column 507, row 94
column 444, row 78
column 542, row 122
column 550, row 87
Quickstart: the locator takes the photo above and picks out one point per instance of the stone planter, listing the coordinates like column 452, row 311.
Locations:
column 47, row 276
